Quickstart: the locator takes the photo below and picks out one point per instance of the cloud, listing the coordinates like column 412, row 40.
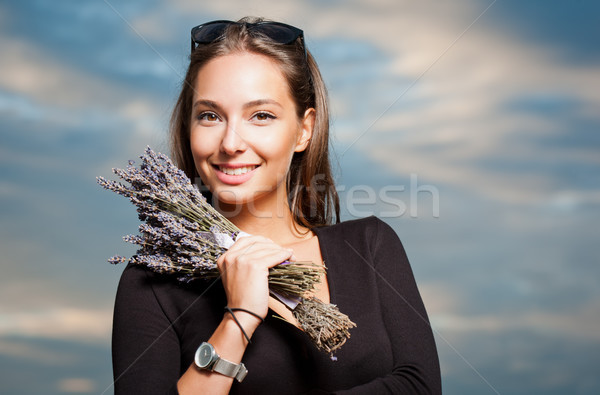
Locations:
column 33, row 72
column 282, row 10
column 84, row 325
column 155, row 24
column 458, row 115
column 580, row 323
column 11, row 190
column 451, row 310
column 439, row 298
column 37, row 86
column 76, row 385
column 32, row 352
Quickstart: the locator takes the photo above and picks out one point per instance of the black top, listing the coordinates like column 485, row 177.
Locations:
column 159, row 324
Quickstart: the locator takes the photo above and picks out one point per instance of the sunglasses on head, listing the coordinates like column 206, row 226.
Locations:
column 278, row 32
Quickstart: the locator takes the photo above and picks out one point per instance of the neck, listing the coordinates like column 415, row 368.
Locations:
column 272, row 219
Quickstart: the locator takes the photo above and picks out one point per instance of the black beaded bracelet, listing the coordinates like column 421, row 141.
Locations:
column 230, row 310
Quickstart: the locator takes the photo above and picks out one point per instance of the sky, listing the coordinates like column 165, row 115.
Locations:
column 472, row 127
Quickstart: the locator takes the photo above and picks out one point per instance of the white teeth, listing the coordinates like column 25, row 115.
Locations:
column 238, row 171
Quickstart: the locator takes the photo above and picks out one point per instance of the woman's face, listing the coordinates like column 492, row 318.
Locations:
column 244, row 129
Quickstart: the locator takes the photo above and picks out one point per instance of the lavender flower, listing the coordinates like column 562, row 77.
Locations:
column 182, row 234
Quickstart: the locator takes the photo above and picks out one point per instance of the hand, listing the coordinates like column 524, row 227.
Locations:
column 244, row 271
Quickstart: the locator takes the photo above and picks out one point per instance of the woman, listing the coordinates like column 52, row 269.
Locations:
column 252, row 122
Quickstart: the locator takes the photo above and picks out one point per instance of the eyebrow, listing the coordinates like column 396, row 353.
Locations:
column 261, row 102
column 207, row 103
column 214, row 105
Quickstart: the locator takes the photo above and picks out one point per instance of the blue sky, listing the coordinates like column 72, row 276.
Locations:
column 488, row 108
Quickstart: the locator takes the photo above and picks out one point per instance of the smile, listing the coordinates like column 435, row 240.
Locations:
column 236, row 171
column 234, row 174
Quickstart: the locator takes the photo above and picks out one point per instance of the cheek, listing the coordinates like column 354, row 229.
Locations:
column 278, row 146
column 198, row 151
column 276, row 153
column 202, row 140
column 201, row 148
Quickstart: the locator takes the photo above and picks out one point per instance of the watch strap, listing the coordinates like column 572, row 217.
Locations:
column 230, row 369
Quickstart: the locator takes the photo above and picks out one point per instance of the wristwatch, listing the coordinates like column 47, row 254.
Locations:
column 208, row 359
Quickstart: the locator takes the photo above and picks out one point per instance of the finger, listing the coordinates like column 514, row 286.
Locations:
column 251, row 248
column 259, row 259
column 221, row 262
column 249, row 241
column 268, row 257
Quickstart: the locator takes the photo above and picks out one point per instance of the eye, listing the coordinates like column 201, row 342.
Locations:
column 208, row 116
column 263, row 116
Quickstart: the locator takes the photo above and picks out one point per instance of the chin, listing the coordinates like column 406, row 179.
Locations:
column 233, row 200
column 235, row 196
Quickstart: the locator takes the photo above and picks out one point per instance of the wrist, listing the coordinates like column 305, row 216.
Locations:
column 239, row 310
column 245, row 321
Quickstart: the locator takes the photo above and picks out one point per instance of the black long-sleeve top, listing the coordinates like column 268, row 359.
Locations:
column 159, row 323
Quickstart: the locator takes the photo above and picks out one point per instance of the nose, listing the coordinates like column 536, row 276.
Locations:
column 232, row 141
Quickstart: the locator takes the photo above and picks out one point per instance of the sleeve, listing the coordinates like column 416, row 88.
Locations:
column 145, row 346
column 416, row 365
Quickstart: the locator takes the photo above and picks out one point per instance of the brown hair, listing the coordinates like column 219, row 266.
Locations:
column 312, row 197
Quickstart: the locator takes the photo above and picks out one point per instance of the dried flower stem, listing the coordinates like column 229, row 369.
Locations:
column 327, row 327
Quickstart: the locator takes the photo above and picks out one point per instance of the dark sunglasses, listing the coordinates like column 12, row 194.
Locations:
column 279, row 32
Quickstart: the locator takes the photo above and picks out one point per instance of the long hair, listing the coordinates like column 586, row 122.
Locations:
column 312, row 196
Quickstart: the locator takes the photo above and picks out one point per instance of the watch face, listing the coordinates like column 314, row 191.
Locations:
column 204, row 355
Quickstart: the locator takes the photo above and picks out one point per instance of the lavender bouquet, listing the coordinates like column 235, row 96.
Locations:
column 183, row 235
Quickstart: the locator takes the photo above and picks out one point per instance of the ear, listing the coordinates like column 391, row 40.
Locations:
column 308, row 125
